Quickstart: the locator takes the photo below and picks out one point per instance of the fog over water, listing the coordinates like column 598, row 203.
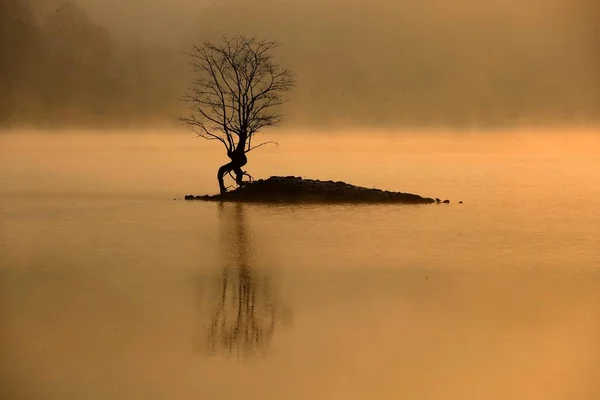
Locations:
column 460, row 64
column 110, row 289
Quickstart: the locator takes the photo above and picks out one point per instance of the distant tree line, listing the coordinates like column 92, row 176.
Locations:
column 377, row 63
column 64, row 69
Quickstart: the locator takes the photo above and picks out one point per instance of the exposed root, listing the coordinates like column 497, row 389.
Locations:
column 250, row 178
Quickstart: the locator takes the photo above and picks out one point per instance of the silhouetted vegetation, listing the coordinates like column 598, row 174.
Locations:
column 63, row 69
column 418, row 63
column 236, row 93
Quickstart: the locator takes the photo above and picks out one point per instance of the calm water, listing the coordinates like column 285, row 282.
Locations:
column 110, row 289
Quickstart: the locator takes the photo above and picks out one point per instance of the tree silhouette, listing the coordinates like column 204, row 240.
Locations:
column 18, row 42
column 237, row 92
column 79, row 58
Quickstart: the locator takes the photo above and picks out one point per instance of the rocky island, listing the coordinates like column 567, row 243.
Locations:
column 291, row 189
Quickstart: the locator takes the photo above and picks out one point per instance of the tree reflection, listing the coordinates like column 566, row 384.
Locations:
column 243, row 310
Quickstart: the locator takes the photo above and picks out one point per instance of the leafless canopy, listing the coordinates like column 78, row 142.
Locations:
column 238, row 91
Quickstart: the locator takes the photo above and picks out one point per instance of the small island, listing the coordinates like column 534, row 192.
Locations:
column 239, row 90
column 291, row 189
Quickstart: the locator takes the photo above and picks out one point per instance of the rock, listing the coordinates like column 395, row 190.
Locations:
column 460, row 202
column 437, row 200
column 292, row 189
column 446, row 201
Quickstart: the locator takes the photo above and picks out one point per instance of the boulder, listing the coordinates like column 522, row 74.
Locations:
column 291, row 189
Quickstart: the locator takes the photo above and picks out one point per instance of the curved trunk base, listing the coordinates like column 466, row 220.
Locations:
column 235, row 165
column 224, row 170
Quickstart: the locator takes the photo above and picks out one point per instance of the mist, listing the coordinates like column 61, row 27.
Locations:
column 418, row 63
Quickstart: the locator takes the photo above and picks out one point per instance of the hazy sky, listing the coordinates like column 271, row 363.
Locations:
column 411, row 62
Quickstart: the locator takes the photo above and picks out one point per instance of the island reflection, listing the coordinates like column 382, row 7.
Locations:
column 243, row 305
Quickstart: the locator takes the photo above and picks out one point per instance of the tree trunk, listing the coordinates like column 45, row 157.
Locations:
column 221, row 176
column 238, row 160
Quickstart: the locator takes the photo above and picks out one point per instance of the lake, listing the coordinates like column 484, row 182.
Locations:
column 112, row 287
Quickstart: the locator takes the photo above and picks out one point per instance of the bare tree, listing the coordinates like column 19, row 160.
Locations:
column 237, row 92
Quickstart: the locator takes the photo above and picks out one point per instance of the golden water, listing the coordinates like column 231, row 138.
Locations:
column 110, row 289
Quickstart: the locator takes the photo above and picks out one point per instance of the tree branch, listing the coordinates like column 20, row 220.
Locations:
column 237, row 90
column 260, row 145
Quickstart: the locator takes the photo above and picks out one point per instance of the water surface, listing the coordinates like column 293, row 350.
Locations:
column 109, row 288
